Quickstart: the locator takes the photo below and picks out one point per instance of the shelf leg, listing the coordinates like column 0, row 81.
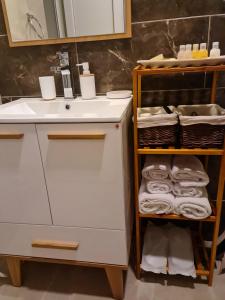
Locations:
column 218, row 214
column 14, row 267
column 214, row 86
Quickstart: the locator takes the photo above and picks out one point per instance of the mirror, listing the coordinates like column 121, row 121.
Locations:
column 32, row 22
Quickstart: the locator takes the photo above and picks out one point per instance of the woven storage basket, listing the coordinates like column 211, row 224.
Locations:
column 201, row 126
column 157, row 126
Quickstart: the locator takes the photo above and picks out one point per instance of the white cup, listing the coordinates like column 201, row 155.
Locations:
column 47, row 85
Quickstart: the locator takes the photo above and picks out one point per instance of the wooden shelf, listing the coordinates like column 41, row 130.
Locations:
column 182, row 151
column 199, row 252
column 212, row 218
column 174, row 70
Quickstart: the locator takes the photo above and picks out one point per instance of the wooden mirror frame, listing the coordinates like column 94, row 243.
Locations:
column 126, row 34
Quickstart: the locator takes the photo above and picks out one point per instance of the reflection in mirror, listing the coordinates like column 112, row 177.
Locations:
column 53, row 19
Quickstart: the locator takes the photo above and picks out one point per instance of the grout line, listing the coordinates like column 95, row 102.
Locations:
column 178, row 19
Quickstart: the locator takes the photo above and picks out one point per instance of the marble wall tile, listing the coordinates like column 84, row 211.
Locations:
column 2, row 23
column 217, row 34
column 148, row 10
column 111, row 61
column 21, row 67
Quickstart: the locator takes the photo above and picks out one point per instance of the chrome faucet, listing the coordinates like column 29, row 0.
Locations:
column 63, row 68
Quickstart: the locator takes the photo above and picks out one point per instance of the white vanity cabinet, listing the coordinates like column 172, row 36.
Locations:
column 65, row 193
column 23, row 193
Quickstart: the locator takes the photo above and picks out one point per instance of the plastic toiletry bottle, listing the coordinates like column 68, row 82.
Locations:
column 87, row 83
column 188, row 52
column 181, row 53
column 195, row 51
column 215, row 51
column 203, row 52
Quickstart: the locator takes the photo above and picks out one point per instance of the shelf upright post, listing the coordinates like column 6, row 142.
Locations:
column 219, row 203
column 136, row 173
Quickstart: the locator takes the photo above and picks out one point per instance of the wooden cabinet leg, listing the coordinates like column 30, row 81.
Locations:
column 115, row 278
column 14, row 267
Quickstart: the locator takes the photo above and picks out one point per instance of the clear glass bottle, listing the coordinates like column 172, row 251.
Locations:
column 215, row 51
column 188, row 52
column 181, row 53
column 195, row 51
column 203, row 52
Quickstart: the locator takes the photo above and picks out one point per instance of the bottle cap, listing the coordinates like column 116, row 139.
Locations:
column 203, row 46
column 216, row 45
column 196, row 47
column 182, row 47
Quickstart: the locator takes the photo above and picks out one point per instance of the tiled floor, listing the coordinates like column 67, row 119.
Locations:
column 57, row 282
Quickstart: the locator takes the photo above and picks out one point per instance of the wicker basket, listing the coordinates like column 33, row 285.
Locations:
column 157, row 127
column 201, row 126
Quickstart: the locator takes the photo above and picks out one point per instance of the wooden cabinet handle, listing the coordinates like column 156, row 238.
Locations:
column 55, row 245
column 11, row 136
column 76, row 136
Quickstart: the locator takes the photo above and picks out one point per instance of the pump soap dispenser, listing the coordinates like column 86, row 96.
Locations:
column 87, row 83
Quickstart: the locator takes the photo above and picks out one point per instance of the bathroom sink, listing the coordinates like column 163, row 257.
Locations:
column 29, row 110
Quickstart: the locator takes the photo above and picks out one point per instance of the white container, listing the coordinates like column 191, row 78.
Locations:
column 188, row 52
column 181, row 53
column 87, row 83
column 215, row 51
column 47, row 85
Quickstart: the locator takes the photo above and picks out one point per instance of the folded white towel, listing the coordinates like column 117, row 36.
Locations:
column 188, row 171
column 157, row 167
column 159, row 186
column 180, row 258
column 155, row 203
column 188, row 191
column 193, row 208
column 155, row 250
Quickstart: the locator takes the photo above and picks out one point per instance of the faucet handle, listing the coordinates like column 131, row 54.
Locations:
column 63, row 59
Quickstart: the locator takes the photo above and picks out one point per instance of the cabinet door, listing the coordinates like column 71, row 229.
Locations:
column 23, row 194
column 83, row 169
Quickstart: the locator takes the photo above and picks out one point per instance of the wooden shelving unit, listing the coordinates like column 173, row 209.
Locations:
column 214, row 219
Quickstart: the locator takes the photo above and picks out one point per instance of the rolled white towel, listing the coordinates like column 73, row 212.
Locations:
column 188, row 191
column 159, row 186
column 180, row 258
column 155, row 250
column 155, row 203
column 188, row 171
column 193, row 208
column 157, row 167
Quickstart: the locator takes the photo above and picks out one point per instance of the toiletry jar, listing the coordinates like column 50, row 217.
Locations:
column 201, row 126
column 157, row 126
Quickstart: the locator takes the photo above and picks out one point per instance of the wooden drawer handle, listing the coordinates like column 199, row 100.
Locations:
column 55, row 245
column 11, row 136
column 76, row 136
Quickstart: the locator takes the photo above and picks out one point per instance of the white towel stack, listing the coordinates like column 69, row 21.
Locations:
column 190, row 180
column 168, row 246
column 174, row 185
column 155, row 195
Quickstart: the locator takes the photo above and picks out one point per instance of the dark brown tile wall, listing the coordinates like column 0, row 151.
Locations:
column 159, row 26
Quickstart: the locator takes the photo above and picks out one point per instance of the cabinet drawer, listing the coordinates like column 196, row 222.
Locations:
column 80, row 244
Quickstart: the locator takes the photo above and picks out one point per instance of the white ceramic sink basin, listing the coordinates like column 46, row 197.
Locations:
column 35, row 110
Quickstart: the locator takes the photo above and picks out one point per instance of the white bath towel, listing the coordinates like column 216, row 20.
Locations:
column 189, row 191
column 157, row 167
column 180, row 256
column 188, row 171
column 159, row 186
column 155, row 203
column 155, row 250
column 193, row 208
